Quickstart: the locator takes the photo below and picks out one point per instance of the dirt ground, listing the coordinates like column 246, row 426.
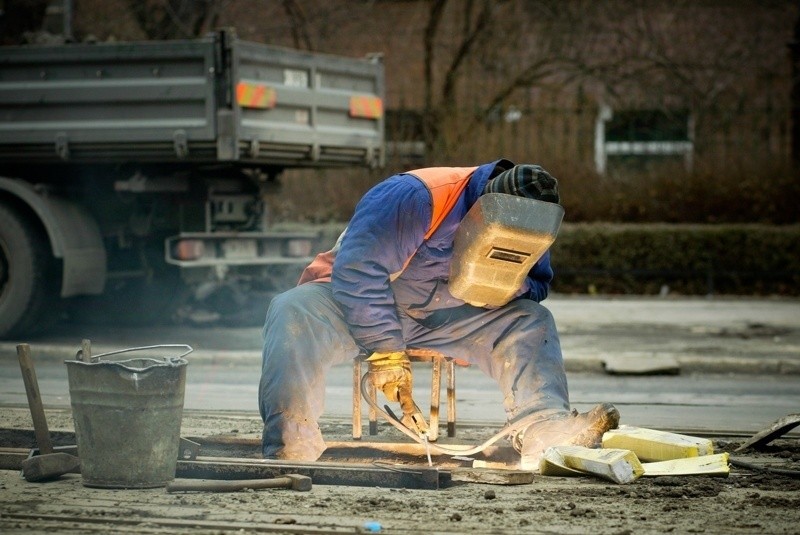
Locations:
column 745, row 502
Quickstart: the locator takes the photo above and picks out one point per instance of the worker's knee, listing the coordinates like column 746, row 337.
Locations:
column 533, row 315
column 533, row 308
column 290, row 311
column 284, row 303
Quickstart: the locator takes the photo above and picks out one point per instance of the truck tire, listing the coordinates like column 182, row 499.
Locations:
column 28, row 283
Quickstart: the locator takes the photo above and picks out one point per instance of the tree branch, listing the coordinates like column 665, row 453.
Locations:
column 485, row 19
column 297, row 20
column 430, row 120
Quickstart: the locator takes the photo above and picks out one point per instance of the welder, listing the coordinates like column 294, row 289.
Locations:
column 384, row 289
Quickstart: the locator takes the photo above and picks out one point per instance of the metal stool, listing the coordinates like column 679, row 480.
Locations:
column 415, row 355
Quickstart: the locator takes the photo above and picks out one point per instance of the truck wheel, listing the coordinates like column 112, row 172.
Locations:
column 27, row 281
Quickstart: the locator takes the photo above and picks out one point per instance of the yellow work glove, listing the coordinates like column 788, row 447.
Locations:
column 391, row 373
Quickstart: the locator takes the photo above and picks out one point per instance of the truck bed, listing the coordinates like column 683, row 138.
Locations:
column 209, row 100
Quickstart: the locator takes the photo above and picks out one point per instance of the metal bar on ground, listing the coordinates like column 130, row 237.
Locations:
column 322, row 473
column 182, row 524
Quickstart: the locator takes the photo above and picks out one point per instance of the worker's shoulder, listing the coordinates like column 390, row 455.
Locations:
column 399, row 186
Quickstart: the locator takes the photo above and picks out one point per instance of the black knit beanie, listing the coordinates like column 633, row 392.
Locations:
column 525, row 181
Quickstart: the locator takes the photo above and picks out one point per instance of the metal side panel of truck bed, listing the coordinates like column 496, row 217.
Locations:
column 207, row 100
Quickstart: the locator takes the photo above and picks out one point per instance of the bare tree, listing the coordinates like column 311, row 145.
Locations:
column 299, row 25
column 176, row 19
column 463, row 62
column 431, row 114
column 517, row 44
column 625, row 50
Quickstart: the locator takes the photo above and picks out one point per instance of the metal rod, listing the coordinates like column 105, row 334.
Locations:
column 323, row 473
column 373, row 413
column 451, row 398
column 436, row 388
column 357, row 399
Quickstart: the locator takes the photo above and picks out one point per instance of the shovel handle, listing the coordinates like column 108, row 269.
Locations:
column 34, row 399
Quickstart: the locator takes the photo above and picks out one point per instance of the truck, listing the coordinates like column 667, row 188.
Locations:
column 141, row 172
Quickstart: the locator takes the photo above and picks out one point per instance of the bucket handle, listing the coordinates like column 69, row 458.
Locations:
column 189, row 349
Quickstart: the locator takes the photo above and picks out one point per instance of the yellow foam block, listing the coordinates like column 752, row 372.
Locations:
column 709, row 465
column 552, row 464
column 654, row 445
column 617, row 465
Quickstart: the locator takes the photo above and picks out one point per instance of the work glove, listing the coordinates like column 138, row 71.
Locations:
column 390, row 372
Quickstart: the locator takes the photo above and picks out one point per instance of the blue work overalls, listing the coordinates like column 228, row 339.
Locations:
column 385, row 289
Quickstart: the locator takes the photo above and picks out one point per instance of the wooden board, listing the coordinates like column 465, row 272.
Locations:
column 492, row 476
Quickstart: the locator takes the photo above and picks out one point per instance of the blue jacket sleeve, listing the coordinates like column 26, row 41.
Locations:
column 387, row 227
column 539, row 279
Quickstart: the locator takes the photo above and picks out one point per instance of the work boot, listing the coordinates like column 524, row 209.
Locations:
column 565, row 429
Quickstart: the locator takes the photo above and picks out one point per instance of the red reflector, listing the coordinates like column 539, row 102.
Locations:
column 367, row 107
column 189, row 249
column 255, row 95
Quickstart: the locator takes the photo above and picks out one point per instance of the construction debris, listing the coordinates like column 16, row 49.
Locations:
column 708, row 465
column 617, row 465
column 492, row 477
column 553, row 464
column 778, row 428
column 623, row 450
column 766, row 469
column 652, row 445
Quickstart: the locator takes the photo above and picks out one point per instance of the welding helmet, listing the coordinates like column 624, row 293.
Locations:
column 503, row 235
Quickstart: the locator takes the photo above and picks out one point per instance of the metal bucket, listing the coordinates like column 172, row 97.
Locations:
column 127, row 417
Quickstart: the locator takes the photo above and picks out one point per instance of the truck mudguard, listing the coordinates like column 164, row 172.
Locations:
column 74, row 237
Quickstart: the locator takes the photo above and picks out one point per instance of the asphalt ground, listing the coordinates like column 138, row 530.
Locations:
column 749, row 347
column 639, row 335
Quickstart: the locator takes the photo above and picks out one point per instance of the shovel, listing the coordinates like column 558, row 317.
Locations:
column 47, row 465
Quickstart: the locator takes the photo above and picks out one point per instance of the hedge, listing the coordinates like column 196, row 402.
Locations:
column 642, row 259
column 737, row 259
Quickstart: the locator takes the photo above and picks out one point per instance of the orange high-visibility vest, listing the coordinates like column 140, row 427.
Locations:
column 445, row 185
